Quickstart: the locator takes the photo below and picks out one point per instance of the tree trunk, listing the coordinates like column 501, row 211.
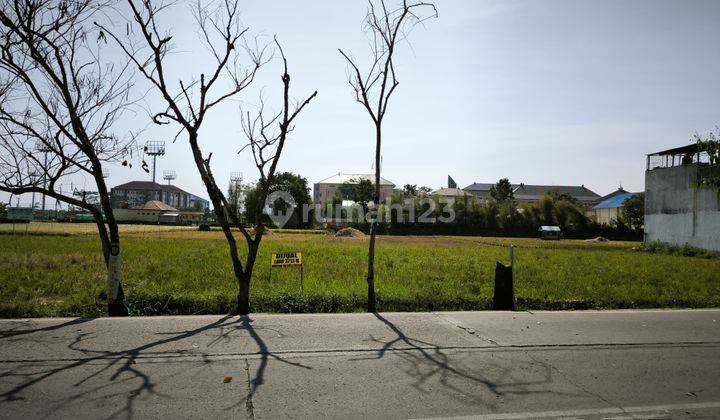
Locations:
column 111, row 253
column 104, row 237
column 371, row 306
column 371, row 272
column 243, row 297
column 242, row 276
column 243, row 307
column 111, row 250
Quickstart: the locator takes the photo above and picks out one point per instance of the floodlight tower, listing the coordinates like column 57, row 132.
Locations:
column 33, row 177
column 44, row 149
column 155, row 148
column 169, row 175
column 236, row 180
column 236, row 193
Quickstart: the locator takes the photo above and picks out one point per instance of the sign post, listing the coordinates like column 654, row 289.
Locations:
column 287, row 259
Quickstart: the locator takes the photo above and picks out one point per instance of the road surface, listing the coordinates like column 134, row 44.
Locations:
column 498, row 365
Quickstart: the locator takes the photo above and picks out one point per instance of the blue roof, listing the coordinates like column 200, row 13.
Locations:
column 614, row 202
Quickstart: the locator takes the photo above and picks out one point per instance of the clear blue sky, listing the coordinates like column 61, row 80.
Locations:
column 542, row 92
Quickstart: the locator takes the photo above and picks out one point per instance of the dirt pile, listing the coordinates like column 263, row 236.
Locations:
column 598, row 239
column 350, row 232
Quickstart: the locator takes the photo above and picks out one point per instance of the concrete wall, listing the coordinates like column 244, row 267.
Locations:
column 678, row 213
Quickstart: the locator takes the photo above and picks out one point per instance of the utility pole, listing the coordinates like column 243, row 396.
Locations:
column 33, row 177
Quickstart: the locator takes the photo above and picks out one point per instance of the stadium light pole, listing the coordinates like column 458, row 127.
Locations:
column 155, row 149
column 33, row 177
column 44, row 149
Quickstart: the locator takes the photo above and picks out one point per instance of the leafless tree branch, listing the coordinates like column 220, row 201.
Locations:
column 374, row 88
column 59, row 102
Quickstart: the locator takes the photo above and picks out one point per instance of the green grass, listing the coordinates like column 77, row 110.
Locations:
column 188, row 272
column 685, row 250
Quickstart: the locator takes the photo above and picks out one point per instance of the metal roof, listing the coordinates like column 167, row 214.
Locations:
column 619, row 191
column 614, row 202
column 480, row 186
column 549, row 228
column 149, row 185
column 536, row 192
column 341, row 178
column 690, row 148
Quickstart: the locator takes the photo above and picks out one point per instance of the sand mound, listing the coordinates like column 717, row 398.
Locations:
column 598, row 239
column 350, row 232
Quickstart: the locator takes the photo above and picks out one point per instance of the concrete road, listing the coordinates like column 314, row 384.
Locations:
column 499, row 365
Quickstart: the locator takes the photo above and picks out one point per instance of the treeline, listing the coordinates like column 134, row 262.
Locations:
column 469, row 216
column 416, row 211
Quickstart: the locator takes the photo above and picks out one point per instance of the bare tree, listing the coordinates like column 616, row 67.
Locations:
column 188, row 104
column 373, row 88
column 59, row 100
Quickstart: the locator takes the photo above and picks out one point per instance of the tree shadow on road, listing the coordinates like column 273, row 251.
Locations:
column 244, row 323
column 124, row 362
column 14, row 332
column 426, row 361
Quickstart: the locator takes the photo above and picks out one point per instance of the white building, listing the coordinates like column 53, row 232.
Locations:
column 325, row 190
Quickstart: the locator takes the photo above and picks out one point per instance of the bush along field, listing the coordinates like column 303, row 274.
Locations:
column 189, row 272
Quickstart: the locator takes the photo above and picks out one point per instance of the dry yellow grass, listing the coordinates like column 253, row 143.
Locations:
column 50, row 228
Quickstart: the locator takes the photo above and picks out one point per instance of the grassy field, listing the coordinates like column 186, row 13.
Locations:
column 183, row 271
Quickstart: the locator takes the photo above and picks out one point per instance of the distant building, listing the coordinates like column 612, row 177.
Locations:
column 198, row 202
column 526, row 193
column 676, row 211
column 452, row 193
column 479, row 190
column 148, row 212
column 617, row 192
column 136, row 193
column 325, row 190
column 156, row 212
column 610, row 208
